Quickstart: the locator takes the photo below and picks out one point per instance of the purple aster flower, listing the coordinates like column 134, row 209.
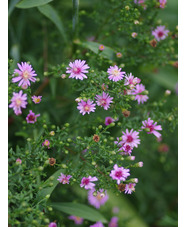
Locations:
column 31, row 117
column 25, row 75
column 77, row 69
column 46, row 143
column 98, row 199
column 104, row 100
column 131, row 81
column 126, row 149
column 131, row 138
column 140, row 97
column 18, row 101
column 115, row 73
column 113, row 222
column 86, row 182
column 97, row 224
column 64, row 179
column 160, row 33
column 18, row 160
column 101, row 47
column 162, row 3
column 152, row 127
column 119, row 173
column 52, row 224
column 36, row 99
column 77, row 220
column 109, row 120
column 86, row 107
column 129, row 188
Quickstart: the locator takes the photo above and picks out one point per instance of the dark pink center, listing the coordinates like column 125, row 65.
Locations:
column 151, row 127
column 109, row 121
column 86, row 181
column 118, row 174
column 103, row 102
column 160, row 34
column 76, row 70
column 127, row 148
column 129, row 138
column 31, row 117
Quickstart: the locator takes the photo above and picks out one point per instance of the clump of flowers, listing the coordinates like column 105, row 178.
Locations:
column 64, row 179
column 151, row 127
column 86, row 182
column 24, row 75
column 115, row 73
column 104, row 100
column 32, row 117
column 160, row 33
column 18, row 101
column 97, row 198
column 78, row 69
column 86, row 107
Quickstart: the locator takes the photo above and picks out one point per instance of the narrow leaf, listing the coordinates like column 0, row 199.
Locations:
column 52, row 15
column 80, row 210
column 25, row 4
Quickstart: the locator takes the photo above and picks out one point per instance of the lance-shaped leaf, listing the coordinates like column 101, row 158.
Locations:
column 25, row 4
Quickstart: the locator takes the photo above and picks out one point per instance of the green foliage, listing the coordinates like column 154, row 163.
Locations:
column 25, row 4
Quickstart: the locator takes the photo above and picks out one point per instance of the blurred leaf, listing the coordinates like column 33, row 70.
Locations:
column 11, row 6
column 25, row 4
column 52, row 15
column 53, row 86
column 168, row 221
column 23, row 134
column 48, row 190
column 93, row 46
column 80, row 210
column 15, row 52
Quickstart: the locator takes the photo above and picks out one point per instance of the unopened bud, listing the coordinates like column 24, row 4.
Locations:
column 167, row 92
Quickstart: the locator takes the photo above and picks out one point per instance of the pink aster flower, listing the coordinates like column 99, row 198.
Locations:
column 129, row 188
column 119, row 173
column 115, row 73
column 152, row 127
column 131, row 81
column 109, row 120
column 46, row 143
column 140, row 97
column 131, row 138
column 31, row 117
column 160, row 33
column 119, row 55
column 64, row 179
column 101, row 47
column 99, row 199
column 104, row 100
column 18, row 101
column 86, row 107
column 18, row 160
column 126, row 149
column 24, row 74
column 97, row 224
column 86, row 182
column 36, row 99
column 162, row 3
column 77, row 220
column 52, row 224
column 113, row 222
column 77, row 69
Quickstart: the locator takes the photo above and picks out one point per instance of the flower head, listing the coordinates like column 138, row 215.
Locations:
column 99, row 199
column 77, row 220
column 97, row 224
column 52, row 161
column 129, row 188
column 77, row 69
column 134, row 34
column 119, row 55
column 86, row 107
column 160, row 33
column 36, row 99
column 64, row 179
column 18, row 101
column 131, row 138
column 152, row 127
column 86, row 182
column 162, row 3
column 140, row 97
column 126, row 149
column 46, row 143
column 24, row 74
column 119, row 173
column 131, row 81
column 109, row 120
column 104, row 100
column 31, row 117
column 52, row 224
column 115, row 73
column 113, row 222
column 18, row 160
column 101, row 47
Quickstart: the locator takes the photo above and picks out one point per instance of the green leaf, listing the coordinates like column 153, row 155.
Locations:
column 53, row 86
column 48, row 190
column 108, row 52
column 25, row 4
column 11, row 6
column 52, row 15
column 80, row 210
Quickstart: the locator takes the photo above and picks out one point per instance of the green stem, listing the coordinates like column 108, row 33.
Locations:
column 75, row 18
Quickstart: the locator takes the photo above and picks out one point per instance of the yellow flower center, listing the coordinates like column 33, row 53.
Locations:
column 18, row 102
column 25, row 75
column 115, row 72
